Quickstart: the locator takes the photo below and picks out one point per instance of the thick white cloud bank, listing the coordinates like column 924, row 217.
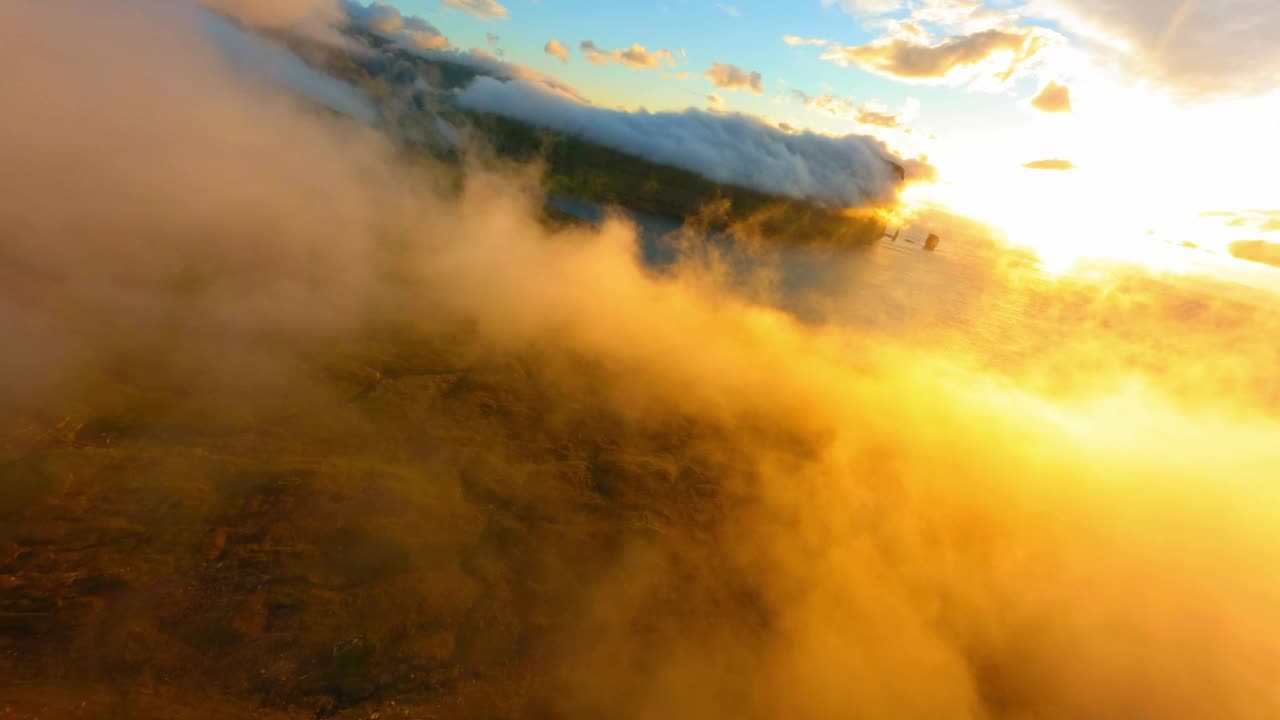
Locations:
column 484, row 62
column 733, row 149
column 254, row 56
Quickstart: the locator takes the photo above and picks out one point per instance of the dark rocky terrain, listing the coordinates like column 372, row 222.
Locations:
column 412, row 532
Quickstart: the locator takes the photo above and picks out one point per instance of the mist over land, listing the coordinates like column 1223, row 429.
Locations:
column 296, row 423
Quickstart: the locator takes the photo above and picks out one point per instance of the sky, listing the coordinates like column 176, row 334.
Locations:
column 1078, row 127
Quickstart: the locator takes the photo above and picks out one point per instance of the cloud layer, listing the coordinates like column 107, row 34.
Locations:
column 386, row 20
column 733, row 149
column 280, row 14
column 488, row 64
column 264, row 60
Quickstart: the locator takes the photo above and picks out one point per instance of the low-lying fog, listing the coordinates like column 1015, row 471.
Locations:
column 951, row 485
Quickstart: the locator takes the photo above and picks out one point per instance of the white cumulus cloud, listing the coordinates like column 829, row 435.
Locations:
column 556, row 49
column 732, row 77
column 735, row 149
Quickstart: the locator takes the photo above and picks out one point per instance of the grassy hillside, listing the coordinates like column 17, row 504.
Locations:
column 574, row 166
column 579, row 168
column 167, row 557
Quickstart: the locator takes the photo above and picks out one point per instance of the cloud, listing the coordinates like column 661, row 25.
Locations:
column 316, row 20
column 556, row 49
column 795, row 40
column 635, row 57
column 183, row 108
column 733, row 149
column 1199, row 48
column 386, row 20
column 1266, row 221
column 482, row 9
column 322, row 19
column 920, row 170
column 421, row 35
column 866, row 8
column 1054, row 164
column 380, row 17
column 1259, row 251
column 732, row 77
column 279, row 13
column 826, row 102
column 730, row 10
column 714, row 100
column 488, row 64
column 1053, row 98
column 956, row 60
column 647, row 490
column 278, row 66
column 878, row 115
column 957, row 16
column 870, row 113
